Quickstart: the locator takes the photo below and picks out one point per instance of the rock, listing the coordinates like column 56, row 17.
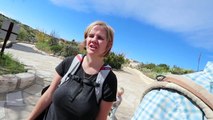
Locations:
column 8, row 83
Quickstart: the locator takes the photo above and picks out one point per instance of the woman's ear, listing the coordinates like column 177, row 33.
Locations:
column 109, row 45
column 108, row 48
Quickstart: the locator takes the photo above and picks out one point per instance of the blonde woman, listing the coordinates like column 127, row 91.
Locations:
column 98, row 41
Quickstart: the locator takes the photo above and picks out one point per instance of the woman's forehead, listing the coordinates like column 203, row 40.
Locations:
column 98, row 28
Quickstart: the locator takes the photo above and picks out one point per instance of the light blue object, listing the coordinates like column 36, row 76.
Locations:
column 162, row 104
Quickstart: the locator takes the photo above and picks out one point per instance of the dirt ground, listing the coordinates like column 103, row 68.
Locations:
column 133, row 81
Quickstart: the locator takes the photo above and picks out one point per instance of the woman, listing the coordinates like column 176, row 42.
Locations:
column 98, row 41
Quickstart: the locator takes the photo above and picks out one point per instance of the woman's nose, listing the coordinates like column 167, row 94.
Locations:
column 94, row 39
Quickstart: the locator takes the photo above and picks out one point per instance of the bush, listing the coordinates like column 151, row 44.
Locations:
column 150, row 66
column 69, row 50
column 44, row 46
column 151, row 70
column 179, row 71
column 56, row 49
column 115, row 61
column 53, row 41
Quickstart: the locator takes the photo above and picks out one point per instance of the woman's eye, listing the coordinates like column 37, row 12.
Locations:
column 96, row 36
column 100, row 38
column 91, row 36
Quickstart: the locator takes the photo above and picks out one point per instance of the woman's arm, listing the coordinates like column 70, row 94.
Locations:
column 104, row 110
column 46, row 98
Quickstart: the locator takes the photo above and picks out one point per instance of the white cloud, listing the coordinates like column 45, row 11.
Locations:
column 192, row 18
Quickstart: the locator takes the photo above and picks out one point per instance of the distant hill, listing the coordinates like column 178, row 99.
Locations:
column 26, row 33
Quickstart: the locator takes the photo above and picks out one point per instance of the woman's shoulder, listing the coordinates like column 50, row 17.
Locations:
column 111, row 78
column 68, row 59
column 112, row 74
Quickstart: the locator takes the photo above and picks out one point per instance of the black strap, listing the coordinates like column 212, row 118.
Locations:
column 80, row 87
column 83, row 81
column 160, row 77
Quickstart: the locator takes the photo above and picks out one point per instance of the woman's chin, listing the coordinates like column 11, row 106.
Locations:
column 91, row 51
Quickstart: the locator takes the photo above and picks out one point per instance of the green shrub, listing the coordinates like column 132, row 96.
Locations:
column 151, row 70
column 44, row 46
column 69, row 50
column 150, row 66
column 179, row 71
column 115, row 61
column 52, row 41
column 56, row 49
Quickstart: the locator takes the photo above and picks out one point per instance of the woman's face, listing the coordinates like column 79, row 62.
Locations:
column 96, row 41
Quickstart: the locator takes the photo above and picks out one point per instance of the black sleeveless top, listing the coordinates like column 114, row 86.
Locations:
column 84, row 106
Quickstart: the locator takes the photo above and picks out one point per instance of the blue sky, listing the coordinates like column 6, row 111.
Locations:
column 173, row 32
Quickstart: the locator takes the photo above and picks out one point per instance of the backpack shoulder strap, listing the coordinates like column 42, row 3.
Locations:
column 73, row 67
column 100, row 80
column 191, row 86
column 165, row 84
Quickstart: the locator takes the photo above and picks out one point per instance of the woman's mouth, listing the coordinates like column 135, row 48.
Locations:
column 92, row 46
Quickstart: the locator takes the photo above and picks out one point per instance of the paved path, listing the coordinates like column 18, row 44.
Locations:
column 17, row 105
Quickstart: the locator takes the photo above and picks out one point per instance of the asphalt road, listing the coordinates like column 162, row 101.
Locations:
column 24, row 48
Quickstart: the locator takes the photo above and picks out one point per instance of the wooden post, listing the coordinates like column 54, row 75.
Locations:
column 7, row 38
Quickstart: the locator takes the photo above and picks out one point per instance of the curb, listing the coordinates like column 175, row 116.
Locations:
column 14, row 82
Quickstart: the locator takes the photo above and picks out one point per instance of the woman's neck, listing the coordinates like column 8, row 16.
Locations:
column 92, row 64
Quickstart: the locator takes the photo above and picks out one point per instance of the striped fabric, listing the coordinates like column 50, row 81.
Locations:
column 164, row 104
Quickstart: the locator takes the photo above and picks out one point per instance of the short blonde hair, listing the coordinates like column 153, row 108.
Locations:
column 109, row 35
